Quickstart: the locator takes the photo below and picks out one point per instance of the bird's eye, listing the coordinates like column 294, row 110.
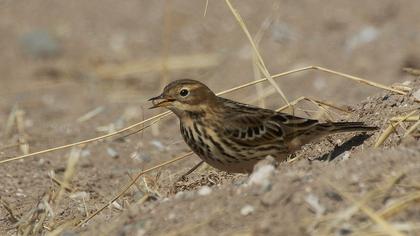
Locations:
column 184, row 92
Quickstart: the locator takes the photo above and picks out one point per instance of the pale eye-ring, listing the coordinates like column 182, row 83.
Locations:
column 184, row 92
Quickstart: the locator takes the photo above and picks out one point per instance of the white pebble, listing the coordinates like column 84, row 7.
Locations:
column 366, row 35
column 158, row 145
column 247, row 209
column 203, row 191
column 261, row 175
column 313, row 201
column 111, row 152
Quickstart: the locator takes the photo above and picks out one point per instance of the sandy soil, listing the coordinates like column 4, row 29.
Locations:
column 62, row 60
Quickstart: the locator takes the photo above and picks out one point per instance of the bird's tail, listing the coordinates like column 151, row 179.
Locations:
column 340, row 127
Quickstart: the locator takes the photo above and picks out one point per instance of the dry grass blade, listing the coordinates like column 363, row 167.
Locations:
column 59, row 230
column 257, row 73
column 391, row 128
column 408, row 119
column 160, row 116
column 68, row 175
column 11, row 119
column 412, row 128
column 89, row 115
column 399, row 204
column 128, row 186
column 12, row 217
column 20, row 124
column 336, row 218
column 294, row 102
column 260, row 61
column 360, row 80
column 205, row 8
column 342, row 75
column 155, row 64
column 379, row 220
column 412, row 71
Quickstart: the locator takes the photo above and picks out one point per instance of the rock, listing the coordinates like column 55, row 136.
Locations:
column 262, row 174
column 112, row 152
column 158, row 144
column 315, row 205
column 247, row 210
column 416, row 94
column 203, row 191
column 40, row 44
column 140, row 156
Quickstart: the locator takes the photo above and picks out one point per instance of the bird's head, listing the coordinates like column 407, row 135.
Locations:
column 184, row 95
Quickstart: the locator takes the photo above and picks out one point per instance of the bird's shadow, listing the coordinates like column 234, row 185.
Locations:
column 349, row 144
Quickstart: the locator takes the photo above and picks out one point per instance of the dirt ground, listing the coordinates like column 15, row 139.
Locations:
column 72, row 70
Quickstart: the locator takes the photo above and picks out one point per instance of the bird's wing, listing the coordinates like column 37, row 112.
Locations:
column 261, row 126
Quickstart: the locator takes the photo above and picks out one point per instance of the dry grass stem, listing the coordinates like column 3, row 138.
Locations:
column 412, row 128
column 336, row 218
column 22, row 138
column 391, row 128
column 399, row 204
column 91, row 114
column 68, row 174
column 205, row 8
column 414, row 118
column 12, row 217
column 128, row 186
column 131, row 68
column 379, row 220
column 257, row 73
column 260, row 61
column 11, row 119
column 160, row 116
column 412, row 71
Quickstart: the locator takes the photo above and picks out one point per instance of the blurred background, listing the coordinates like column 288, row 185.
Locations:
column 125, row 51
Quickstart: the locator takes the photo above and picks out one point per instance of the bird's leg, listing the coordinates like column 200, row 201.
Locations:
column 190, row 171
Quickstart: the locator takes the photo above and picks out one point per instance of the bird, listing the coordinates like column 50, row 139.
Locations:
column 233, row 136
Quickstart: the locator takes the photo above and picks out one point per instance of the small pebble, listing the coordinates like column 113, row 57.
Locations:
column 313, row 201
column 112, row 152
column 366, row 35
column 261, row 176
column 158, row 144
column 247, row 210
column 205, row 190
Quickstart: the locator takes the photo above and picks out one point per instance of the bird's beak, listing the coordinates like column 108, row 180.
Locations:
column 160, row 101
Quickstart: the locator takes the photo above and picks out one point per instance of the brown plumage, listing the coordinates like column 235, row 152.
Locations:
column 233, row 136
